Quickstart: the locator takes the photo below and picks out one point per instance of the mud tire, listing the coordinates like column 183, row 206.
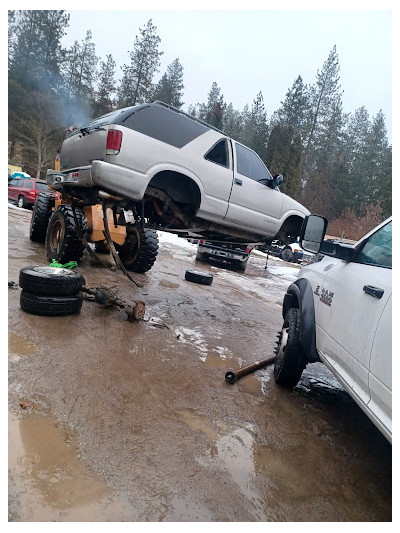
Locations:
column 51, row 305
column 50, row 281
column 139, row 252
column 289, row 362
column 197, row 276
column 41, row 216
column 240, row 266
column 62, row 241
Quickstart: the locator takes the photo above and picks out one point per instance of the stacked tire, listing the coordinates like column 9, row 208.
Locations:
column 50, row 291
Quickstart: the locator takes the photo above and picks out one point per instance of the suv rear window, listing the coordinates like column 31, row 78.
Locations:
column 165, row 125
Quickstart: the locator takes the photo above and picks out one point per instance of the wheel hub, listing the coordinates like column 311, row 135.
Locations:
column 281, row 342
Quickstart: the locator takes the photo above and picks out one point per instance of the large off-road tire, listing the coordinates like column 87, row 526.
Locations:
column 198, row 276
column 50, row 281
column 40, row 216
column 289, row 362
column 139, row 252
column 287, row 254
column 62, row 241
column 51, row 305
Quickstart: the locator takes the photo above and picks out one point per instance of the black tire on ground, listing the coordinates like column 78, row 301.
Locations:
column 101, row 247
column 139, row 252
column 202, row 257
column 240, row 266
column 62, row 242
column 197, row 276
column 50, row 281
column 287, row 255
column 50, row 305
column 21, row 202
column 40, row 216
column 289, row 362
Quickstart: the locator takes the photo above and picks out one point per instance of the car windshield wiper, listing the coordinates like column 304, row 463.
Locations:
column 88, row 131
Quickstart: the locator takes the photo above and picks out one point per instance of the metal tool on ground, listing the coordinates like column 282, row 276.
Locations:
column 231, row 376
column 106, row 297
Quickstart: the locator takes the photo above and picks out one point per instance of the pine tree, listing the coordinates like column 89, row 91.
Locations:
column 232, row 122
column 104, row 101
column 295, row 109
column 213, row 111
column 136, row 83
column 170, row 87
column 256, row 126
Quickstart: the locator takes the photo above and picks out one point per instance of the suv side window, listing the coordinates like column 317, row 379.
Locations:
column 219, row 154
column 377, row 249
column 250, row 165
column 165, row 125
column 13, row 182
column 28, row 184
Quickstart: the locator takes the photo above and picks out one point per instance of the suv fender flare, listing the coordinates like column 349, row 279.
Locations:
column 300, row 295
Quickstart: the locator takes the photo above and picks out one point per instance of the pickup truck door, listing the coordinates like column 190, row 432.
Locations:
column 252, row 204
column 352, row 299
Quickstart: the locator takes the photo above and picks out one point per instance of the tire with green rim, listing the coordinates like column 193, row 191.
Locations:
column 62, row 241
column 289, row 362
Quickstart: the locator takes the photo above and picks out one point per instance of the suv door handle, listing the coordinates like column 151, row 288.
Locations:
column 238, row 181
column 376, row 292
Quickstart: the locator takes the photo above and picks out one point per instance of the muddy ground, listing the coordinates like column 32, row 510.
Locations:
column 134, row 421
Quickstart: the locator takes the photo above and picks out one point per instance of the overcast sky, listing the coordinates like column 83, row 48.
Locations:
column 257, row 50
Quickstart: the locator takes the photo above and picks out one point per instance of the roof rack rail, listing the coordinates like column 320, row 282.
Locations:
column 189, row 116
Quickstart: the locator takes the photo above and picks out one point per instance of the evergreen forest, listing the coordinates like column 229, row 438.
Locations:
column 337, row 164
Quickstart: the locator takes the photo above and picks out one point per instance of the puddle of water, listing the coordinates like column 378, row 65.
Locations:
column 20, row 346
column 197, row 422
column 48, row 479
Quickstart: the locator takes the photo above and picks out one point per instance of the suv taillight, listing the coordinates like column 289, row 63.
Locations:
column 114, row 140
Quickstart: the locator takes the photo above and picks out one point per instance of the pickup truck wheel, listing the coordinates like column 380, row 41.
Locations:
column 50, row 281
column 202, row 257
column 40, row 216
column 62, row 242
column 289, row 362
column 51, row 305
column 139, row 252
column 287, row 255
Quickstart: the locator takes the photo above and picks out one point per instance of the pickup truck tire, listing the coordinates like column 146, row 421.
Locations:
column 51, row 305
column 287, row 255
column 197, row 276
column 202, row 257
column 289, row 362
column 50, row 281
column 62, row 241
column 40, row 217
column 139, row 252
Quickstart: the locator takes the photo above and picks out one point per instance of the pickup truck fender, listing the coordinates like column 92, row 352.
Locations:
column 300, row 295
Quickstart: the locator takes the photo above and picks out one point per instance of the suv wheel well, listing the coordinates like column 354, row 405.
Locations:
column 180, row 188
column 290, row 229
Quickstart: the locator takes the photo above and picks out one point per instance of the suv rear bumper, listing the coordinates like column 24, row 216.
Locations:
column 120, row 180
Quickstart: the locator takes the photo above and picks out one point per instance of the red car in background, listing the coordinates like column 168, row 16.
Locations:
column 24, row 191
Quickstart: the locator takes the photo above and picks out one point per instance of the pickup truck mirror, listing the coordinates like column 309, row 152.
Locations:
column 274, row 183
column 312, row 240
column 312, row 233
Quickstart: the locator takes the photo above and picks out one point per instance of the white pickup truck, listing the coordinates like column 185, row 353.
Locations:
column 339, row 311
column 171, row 171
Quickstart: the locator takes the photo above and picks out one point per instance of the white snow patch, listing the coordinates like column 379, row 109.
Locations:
column 171, row 240
column 222, row 352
